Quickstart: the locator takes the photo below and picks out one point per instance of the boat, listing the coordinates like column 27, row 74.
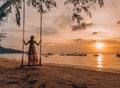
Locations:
column 82, row 54
column 73, row 54
column 48, row 54
column 118, row 55
column 96, row 55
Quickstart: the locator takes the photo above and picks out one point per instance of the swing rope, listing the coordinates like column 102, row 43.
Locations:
column 23, row 32
column 40, row 34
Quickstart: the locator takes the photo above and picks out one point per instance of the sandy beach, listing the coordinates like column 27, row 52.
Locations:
column 52, row 76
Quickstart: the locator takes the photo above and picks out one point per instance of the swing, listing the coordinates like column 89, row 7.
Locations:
column 40, row 54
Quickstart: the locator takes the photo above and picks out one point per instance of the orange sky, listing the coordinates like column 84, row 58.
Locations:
column 60, row 33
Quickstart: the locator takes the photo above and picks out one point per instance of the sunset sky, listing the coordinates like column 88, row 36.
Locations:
column 60, row 33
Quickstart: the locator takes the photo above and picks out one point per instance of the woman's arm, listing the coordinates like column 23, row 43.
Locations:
column 37, row 43
column 25, row 42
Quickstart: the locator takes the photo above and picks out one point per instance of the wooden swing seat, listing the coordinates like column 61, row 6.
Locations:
column 30, row 65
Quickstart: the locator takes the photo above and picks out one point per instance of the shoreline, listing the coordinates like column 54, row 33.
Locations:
column 74, row 66
column 84, row 67
column 53, row 76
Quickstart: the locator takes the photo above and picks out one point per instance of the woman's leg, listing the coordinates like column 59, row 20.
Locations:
column 33, row 59
column 29, row 59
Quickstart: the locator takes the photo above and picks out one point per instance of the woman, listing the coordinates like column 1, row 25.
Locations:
column 32, row 55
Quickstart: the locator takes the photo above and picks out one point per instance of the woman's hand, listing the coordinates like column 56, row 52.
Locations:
column 24, row 41
column 39, row 42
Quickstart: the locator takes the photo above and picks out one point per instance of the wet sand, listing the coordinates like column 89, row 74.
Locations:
column 53, row 76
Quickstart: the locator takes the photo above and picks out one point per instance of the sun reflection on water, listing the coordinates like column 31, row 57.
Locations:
column 99, row 60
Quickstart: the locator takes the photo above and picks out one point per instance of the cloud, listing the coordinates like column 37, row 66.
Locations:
column 78, row 39
column 94, row 33
column 50, row 31
column 32, row 29
column 63, row 20
column 118, row 22
column 81, row 26
column 86, row 41
column 112, row 41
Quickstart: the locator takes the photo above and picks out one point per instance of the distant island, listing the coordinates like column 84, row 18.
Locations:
column 9, row 50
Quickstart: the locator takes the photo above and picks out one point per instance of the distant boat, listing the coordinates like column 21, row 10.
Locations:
column 82, row 54
column 75, row 54
column 48, row 54
column 96, row 55
column 118, row 55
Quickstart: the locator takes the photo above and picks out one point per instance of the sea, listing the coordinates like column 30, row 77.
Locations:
column 101, row 62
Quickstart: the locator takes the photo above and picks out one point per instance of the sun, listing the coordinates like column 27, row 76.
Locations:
column 99, row 45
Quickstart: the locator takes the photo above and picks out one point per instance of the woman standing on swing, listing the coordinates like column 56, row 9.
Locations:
column 32, row 55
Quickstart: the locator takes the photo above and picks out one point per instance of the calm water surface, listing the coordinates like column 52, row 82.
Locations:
column 108, row 62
